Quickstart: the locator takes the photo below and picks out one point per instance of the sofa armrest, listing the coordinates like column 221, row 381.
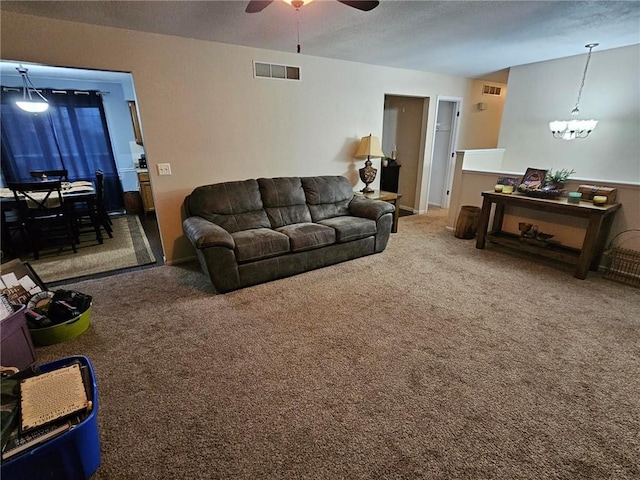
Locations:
column 369, row 208
column 203, row 233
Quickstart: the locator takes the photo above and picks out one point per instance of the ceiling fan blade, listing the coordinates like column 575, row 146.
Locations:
column 256, row 6
column 364, row 6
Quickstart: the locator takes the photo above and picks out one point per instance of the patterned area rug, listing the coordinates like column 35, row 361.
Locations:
column 129, row 247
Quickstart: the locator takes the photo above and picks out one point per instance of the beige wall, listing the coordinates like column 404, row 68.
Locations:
column 485, row 124
column 203, row 112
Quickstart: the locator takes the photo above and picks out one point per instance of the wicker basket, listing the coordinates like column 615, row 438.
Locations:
column 622, row 258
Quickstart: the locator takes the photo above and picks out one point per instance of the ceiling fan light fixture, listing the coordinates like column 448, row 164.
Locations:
column 297, row 3
column 256, row 6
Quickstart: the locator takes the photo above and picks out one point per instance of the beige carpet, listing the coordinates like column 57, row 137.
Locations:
column 431, row 360
column 129, row 247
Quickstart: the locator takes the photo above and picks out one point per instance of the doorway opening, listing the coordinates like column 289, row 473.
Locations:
column 403, row 136
column 425, row 178
column 443, row 153
column 117, row 92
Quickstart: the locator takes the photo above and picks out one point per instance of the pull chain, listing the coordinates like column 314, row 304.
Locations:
column 298, row 28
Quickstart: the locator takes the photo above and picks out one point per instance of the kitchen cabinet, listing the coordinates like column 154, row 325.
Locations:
column 145, row 191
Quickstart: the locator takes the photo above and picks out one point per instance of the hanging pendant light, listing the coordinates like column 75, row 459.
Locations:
column 29, row 104
column 574, row 128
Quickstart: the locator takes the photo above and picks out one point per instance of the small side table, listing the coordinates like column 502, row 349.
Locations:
column 390, row 197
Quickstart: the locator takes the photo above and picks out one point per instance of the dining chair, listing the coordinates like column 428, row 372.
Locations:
column 83, row 213
column 62, row 175
column 46, row 219
column 102, row 211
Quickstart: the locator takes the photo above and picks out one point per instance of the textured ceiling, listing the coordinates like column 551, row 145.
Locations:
column 464, row 38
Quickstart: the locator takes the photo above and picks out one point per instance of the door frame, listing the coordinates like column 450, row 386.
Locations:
column 453, row 141
column 413, row 204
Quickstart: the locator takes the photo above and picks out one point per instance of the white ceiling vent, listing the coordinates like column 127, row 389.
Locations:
column 282, row 72
column 494, row 90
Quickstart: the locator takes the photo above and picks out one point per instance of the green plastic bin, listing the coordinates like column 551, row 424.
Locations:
column 61, row 332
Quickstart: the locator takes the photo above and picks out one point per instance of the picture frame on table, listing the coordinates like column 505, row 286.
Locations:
column 534, row 178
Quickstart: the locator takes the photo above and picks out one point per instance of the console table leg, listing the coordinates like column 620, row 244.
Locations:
column 484, row 223
column 601, row 239
column 498, row 218
column 589, row 246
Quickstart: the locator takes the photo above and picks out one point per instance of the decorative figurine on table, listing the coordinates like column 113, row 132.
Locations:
column 528, row 231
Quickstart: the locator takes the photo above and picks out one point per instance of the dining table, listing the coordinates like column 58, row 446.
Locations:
column 81, row 192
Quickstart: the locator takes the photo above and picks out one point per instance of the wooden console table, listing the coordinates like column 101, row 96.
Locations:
column 588, row 257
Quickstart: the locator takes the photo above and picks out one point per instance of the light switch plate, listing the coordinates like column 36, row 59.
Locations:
column 164, row 169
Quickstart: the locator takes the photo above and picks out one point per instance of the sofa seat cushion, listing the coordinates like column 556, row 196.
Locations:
column 259, row 243
column 350, row 228
column 306, row 236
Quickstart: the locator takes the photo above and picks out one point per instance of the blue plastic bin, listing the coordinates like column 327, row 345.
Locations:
column 74, row 455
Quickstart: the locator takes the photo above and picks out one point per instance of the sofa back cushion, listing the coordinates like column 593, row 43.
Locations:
column 234, row 206
column 284, row 201
column 327, row 196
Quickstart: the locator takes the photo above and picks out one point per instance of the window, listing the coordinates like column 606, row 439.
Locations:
column 72, row 134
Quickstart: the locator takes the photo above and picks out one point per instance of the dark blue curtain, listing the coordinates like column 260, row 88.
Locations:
column 72, row 134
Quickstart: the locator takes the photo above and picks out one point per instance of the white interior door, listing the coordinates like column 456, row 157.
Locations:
column 441, row 176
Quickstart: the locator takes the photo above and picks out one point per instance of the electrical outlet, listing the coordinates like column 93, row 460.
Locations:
column 164, row 169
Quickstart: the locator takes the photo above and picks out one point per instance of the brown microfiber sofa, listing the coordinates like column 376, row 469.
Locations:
column 254, row 231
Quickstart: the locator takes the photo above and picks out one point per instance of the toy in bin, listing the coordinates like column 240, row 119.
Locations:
column 54, row 317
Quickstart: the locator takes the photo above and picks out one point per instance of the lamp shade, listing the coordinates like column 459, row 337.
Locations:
column 369, row 147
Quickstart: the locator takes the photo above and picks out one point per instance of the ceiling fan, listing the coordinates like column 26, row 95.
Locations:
column 256, row 6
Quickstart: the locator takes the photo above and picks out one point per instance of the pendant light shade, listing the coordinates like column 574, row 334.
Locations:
column 28, row 103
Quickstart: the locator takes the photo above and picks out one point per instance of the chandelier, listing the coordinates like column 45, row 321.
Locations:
column 574, row 128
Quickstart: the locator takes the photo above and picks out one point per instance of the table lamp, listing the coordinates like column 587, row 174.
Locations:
column 369, row 147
